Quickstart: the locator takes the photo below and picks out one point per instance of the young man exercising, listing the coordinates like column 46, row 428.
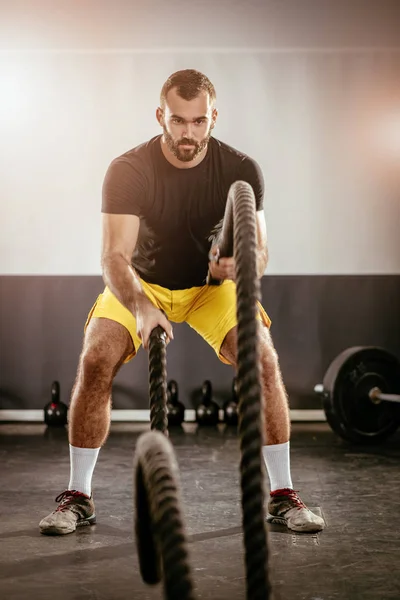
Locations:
column 161, row 202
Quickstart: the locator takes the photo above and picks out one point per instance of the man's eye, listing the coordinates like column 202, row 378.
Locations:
column 200, row 122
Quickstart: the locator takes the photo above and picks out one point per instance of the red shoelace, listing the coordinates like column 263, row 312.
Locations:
column 291, row 494
column 66, row 497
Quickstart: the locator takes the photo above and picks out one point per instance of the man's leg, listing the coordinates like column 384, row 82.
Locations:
column 106, row 346
column 110, row 340
column 108, row 343
column 276, row 406
column 285, row 505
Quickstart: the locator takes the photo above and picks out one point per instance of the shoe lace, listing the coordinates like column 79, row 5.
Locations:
column 66, row 498
column 292, row 495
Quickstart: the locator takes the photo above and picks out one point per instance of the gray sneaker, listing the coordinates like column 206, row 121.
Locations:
column 286, row 508
column 75, row 509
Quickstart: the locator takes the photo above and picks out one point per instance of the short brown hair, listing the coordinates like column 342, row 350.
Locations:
column 189, row 84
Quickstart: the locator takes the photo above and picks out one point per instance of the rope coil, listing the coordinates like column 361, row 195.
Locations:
column 159, row 526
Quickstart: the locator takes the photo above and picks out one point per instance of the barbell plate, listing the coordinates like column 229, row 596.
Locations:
column 347, row 383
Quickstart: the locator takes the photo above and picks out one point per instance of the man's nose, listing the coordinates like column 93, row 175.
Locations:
column 188, row 130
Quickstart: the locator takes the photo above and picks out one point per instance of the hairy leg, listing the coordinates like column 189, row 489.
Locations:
column 276, row 408
column 105, row 347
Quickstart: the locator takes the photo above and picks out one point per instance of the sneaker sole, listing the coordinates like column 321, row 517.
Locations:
column 309, row 528
column 58, row 531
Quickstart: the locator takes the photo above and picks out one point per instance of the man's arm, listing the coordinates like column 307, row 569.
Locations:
column 120, row 233
column 262, row 248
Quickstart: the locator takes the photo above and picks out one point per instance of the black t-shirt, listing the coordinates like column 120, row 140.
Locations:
column 178, row 208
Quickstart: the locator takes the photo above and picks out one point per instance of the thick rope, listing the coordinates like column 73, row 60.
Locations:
column 168, row 550
column 159, row 527
column 240, row 215
column 158, row 380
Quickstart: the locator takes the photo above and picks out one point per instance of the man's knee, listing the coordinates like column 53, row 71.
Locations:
column 96, row 363
column 268, row 355
column 105, row 348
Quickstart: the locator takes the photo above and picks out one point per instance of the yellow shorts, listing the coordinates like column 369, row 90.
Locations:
column 209, row 310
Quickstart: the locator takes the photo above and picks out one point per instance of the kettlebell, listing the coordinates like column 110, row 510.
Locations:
column 175, row 409
column 231, row 415
column 55, row 412
column 207, row 412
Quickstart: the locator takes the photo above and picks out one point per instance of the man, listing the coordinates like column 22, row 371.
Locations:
column 161, row 202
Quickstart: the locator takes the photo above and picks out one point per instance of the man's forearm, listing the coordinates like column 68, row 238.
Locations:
column 262, row 261
column 120, row 277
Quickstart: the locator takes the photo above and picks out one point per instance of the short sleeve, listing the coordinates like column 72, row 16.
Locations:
column 250, row 172
column 123, row 190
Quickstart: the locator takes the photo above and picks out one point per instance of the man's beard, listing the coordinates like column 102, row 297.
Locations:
column 185, row 154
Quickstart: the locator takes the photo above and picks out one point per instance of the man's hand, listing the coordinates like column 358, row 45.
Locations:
column 147, row 318
column 225, row 268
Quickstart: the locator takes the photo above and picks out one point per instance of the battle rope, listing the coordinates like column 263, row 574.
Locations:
column 159, row 527
column 238, row 237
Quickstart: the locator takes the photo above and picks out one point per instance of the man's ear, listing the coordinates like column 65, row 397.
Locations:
column 160, row 116
column 214, row 117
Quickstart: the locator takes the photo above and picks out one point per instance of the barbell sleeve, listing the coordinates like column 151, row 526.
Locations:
column 376, row 394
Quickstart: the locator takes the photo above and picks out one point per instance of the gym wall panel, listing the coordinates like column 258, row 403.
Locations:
column 313, row 319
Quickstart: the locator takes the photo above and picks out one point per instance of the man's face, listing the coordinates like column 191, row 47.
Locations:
column 187, row 124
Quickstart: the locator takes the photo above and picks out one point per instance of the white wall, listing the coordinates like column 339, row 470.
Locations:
column 314, row 118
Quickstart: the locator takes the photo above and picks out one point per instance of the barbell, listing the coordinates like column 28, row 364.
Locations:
column 361, row 394
column 377, row 396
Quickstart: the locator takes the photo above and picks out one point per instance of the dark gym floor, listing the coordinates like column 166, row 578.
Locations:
column 356, row 489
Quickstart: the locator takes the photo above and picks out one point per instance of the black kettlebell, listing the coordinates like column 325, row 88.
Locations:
column 207, row 412
column 55, row 412
column 231, row 414
column 175, row 409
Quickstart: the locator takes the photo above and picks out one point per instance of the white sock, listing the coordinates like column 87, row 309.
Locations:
column 277, row 461
column 82, row 463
